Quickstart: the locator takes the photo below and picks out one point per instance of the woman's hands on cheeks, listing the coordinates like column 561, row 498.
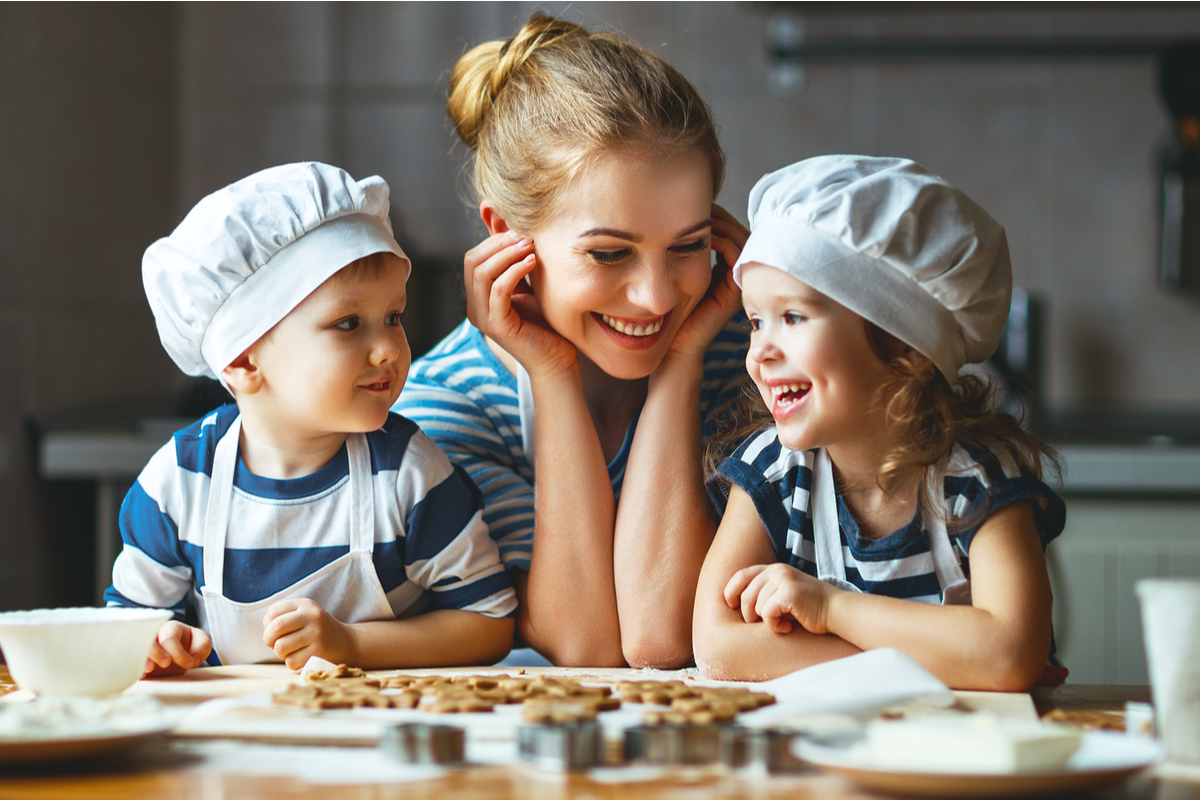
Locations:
column 177, row 648
column 779, row 595
column 298, row 628
column 724, row 297
column 502, row 307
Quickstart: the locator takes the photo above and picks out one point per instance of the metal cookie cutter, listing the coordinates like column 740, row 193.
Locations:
column 421, row 743
column 769, row 749
column 673, row 744
column 573, row 745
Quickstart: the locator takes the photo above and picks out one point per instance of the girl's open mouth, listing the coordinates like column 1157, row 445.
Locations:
column 787, row 396
column 380, row 386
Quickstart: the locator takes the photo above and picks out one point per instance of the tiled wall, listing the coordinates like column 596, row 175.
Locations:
column 87, row 165
column 114, row 120
column 1061, row 152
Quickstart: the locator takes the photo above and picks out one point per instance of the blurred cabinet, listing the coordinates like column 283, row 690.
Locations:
column 1107, row 546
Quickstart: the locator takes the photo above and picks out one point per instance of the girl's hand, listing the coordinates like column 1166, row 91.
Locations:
column 177, row 649
column 779, row 595
column 724, row 298
column 299, row 628
column 502, row 306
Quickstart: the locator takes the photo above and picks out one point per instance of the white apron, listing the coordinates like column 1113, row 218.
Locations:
column 348, row 587
column 831, row 566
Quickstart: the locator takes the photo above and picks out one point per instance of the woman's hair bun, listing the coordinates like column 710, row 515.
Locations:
column 482, row 72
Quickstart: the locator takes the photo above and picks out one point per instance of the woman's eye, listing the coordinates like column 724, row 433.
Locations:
column 393, row 320
column 691, row 248
column 347, row 324
column 608, row 256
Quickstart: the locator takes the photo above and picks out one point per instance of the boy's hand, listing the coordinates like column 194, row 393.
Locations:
column 298, row 628
column 177, row 649
column 779, row 595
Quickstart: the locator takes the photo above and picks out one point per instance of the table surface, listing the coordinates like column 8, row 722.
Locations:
column 154, row 770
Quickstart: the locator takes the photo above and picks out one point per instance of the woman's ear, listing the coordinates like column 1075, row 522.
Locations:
column 243, row 376
column 491, row 218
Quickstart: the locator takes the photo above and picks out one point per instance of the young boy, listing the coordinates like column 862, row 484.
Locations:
column 306, row 520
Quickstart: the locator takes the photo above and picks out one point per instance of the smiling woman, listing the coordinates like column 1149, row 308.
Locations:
column 596, row 321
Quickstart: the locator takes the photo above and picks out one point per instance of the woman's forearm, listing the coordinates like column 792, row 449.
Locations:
column 664, row 525
column 569, row 612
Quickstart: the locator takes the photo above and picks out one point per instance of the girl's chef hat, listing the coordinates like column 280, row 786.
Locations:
column 248, row 254
column 895, row 244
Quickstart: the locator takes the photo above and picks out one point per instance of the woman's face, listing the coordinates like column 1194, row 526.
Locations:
column 627, row 258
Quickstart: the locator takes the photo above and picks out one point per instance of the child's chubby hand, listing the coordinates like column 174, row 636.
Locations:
column 780, row 595
column 177, row 649
column 298, row 628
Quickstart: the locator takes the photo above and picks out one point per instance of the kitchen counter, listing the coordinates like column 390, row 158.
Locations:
column 176, row 767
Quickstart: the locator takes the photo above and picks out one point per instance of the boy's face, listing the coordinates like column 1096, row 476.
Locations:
column 338, row 361
column 811, row 360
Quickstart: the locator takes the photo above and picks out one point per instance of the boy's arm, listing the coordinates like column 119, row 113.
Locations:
column 999, row 643
column 299, row 628
column 727, row 647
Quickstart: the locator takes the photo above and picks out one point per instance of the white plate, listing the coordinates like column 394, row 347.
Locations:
column 25, row 750
column 1103, row 757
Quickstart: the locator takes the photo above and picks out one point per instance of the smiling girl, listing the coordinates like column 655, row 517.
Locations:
column 876, row 499
column 598, row 350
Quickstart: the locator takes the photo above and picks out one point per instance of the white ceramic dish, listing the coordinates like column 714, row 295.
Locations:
column 90, row 652
column 56, row 728
column 1103, row 758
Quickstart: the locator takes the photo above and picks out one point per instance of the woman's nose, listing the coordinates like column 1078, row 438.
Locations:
column 652, row 287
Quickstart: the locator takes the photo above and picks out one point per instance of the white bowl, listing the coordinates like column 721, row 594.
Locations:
column 79, row 651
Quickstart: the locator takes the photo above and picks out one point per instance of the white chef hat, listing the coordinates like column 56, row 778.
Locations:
column 248, row 254
column 892, row 242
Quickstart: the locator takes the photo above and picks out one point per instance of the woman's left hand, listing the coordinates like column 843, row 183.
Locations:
column 724, row 297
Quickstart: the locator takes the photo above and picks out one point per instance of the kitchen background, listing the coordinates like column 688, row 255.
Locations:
column 115, row 119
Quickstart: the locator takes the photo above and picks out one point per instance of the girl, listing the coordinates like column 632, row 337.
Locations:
column 886, row 477
column 598, row 349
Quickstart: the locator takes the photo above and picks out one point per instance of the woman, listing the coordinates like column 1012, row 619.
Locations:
column 596, row 321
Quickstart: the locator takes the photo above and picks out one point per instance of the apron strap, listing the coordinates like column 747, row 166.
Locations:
column 216, row 520
column 525, row 411
column 362, row 496
column 956, row 589
column 827, row 534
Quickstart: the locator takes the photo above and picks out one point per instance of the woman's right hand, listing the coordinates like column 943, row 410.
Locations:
column 501, row 305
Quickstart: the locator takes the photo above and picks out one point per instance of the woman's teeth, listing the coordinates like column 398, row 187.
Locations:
column 631, row 329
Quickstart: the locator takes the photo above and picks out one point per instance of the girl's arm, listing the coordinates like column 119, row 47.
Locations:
column 727, row 646
column 999, row 643
column 568, row 606
column 664, row 524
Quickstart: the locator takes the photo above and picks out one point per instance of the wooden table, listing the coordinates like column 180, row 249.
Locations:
column 157, row 770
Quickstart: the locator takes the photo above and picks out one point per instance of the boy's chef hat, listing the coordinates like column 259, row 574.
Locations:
column 895, row 244
column 248, row 254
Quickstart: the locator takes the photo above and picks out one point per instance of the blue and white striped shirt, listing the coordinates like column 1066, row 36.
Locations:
column 778, row 479
column 431, row 550
column 466, row 400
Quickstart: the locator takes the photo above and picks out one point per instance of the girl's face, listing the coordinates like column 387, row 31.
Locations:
column 811, row 361
column 627, row 258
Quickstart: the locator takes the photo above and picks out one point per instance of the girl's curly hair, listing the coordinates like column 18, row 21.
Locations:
column 916, row 399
